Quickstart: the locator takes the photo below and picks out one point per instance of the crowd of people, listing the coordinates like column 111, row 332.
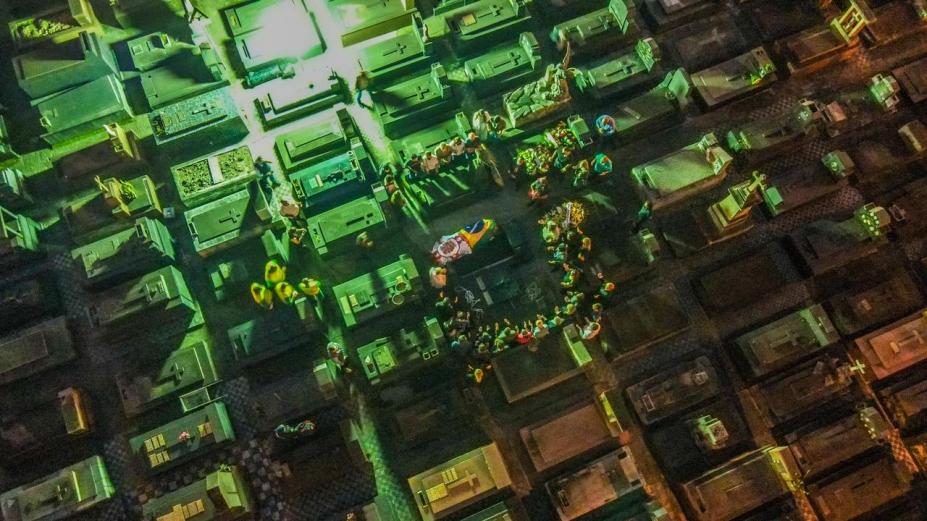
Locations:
column 559, row 154
column 275, row 284
column 476, row 341
column 458, row 151
column 489, row 127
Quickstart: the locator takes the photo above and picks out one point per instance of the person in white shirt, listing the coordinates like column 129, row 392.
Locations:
column 430, row 163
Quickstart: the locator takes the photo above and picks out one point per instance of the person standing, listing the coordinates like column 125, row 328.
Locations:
column 387, row 169
column 550, row 230
column 438, row 277
column 285, row 292
column 525, row 337
column 458, row 150
column 606, row 289
column 476, row 374
column 585, row 249
column 507, row 333
column 605, row 126
column 540, row 330
column 389, row 184
column 487, row 160
column 556, row 320
column 562, row 158
column 414, row 166
column 274, row 273
column 311, row 288
column 590, row 330
column 266, row 179
column 444, row 307
column 601, row 165
column 364, row 242
column 431, row 164
column 574, row 297
column 497, row 126
column 397, row 199
column 361, row 85
column 538, row 190
column 471, row 145
column 643, row 214
column 558, row 256
column 262, row 296
column 581, row 173
column 339, row 356
column 570, row 277
column 481, row 122
column 444, row 152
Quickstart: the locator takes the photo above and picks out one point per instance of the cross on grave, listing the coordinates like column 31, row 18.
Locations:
column 400, row 49
column 857, row 367
column 233, row 217
column 422, row 92
column 375, row 5
column 511, row 60
column 601, row 24
column 494, row 10
column 205, row 108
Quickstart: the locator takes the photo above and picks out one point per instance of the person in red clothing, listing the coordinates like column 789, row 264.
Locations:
column 524, row 336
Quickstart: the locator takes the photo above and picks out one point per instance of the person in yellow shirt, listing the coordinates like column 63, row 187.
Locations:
column 311, row 288
column 285, row 292
column 274, row 273
column 262, row 296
